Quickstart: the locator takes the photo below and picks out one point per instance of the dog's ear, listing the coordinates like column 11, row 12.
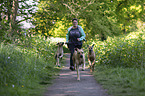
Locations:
column 75, row 49
column 93, row 45
column 57, row 43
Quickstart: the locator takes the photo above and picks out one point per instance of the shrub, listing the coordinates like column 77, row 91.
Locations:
column 125, row 51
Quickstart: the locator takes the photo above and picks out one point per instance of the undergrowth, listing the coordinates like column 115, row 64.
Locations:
column 120, row 63
column 26, row 68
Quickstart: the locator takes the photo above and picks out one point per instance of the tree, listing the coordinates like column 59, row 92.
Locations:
column 87, row 11
column 11, row 9
column 99, row 18
column 128, row 11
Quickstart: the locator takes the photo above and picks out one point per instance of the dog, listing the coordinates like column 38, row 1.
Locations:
column 91, row 57
column 59, row 53
column 78, row 59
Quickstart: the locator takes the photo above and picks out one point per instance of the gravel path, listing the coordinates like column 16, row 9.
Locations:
column 67, row 85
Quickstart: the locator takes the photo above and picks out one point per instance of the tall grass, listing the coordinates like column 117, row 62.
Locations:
column 23, row 68
column 125, row 51
column 120, row 63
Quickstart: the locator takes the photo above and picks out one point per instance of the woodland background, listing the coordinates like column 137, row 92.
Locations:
column 27, row 50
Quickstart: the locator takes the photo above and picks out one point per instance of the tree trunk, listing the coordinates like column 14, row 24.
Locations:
column 13, row 16
column 9, row 6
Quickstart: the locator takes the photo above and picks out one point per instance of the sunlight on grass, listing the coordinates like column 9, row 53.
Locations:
column 134, row 35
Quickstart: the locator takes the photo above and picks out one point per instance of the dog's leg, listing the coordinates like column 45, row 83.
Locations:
column 90, row 68
column 61, row 51
column 73, row 59
column 58, row 62
column 56, row 59
column 61, row 56
column 89, row 62
column 78, row 73
column 75, row 66
column 83, row 66
column 90, row 65
column 93, row 64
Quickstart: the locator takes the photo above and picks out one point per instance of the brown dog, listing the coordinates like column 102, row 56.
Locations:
column 91, row 57
column 59, row 53
column 78, row 59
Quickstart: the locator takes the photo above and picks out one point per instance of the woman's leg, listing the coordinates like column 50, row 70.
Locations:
column 71, row 48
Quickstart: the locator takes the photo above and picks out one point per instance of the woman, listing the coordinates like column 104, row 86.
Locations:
column 74, row 39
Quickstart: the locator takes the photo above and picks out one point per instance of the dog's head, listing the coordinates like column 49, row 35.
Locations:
column 80, row 52
column 91, row 48
column 60, row 43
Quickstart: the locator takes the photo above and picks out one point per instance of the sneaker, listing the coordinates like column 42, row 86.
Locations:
column 72, row 68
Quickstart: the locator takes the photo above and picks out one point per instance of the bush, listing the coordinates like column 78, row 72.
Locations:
column 120, row 64
column 125, row 51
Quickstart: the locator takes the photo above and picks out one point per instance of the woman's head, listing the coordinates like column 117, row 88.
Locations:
column 75, row 22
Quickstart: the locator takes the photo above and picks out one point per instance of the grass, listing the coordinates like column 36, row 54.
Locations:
column 121, row 81
column 120, row 63
column 27, row 71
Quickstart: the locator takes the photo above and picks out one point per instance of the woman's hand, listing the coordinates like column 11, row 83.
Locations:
column 78, row 39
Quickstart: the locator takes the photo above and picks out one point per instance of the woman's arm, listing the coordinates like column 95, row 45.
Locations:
column 67, row 36
column 82, row 34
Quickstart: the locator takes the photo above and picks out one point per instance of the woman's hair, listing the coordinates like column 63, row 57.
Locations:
column 74, row 19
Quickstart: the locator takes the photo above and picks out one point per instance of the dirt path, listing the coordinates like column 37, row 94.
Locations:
column 67, row 85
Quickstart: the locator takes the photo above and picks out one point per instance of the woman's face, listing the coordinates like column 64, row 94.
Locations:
column 75, row 23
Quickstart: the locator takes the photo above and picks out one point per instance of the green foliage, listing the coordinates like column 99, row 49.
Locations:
column 11, row 11
column 128, row 12
column 120, row 64
column 23, row 68
column 45, row 17
column 101, row 18
column 125, row 51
